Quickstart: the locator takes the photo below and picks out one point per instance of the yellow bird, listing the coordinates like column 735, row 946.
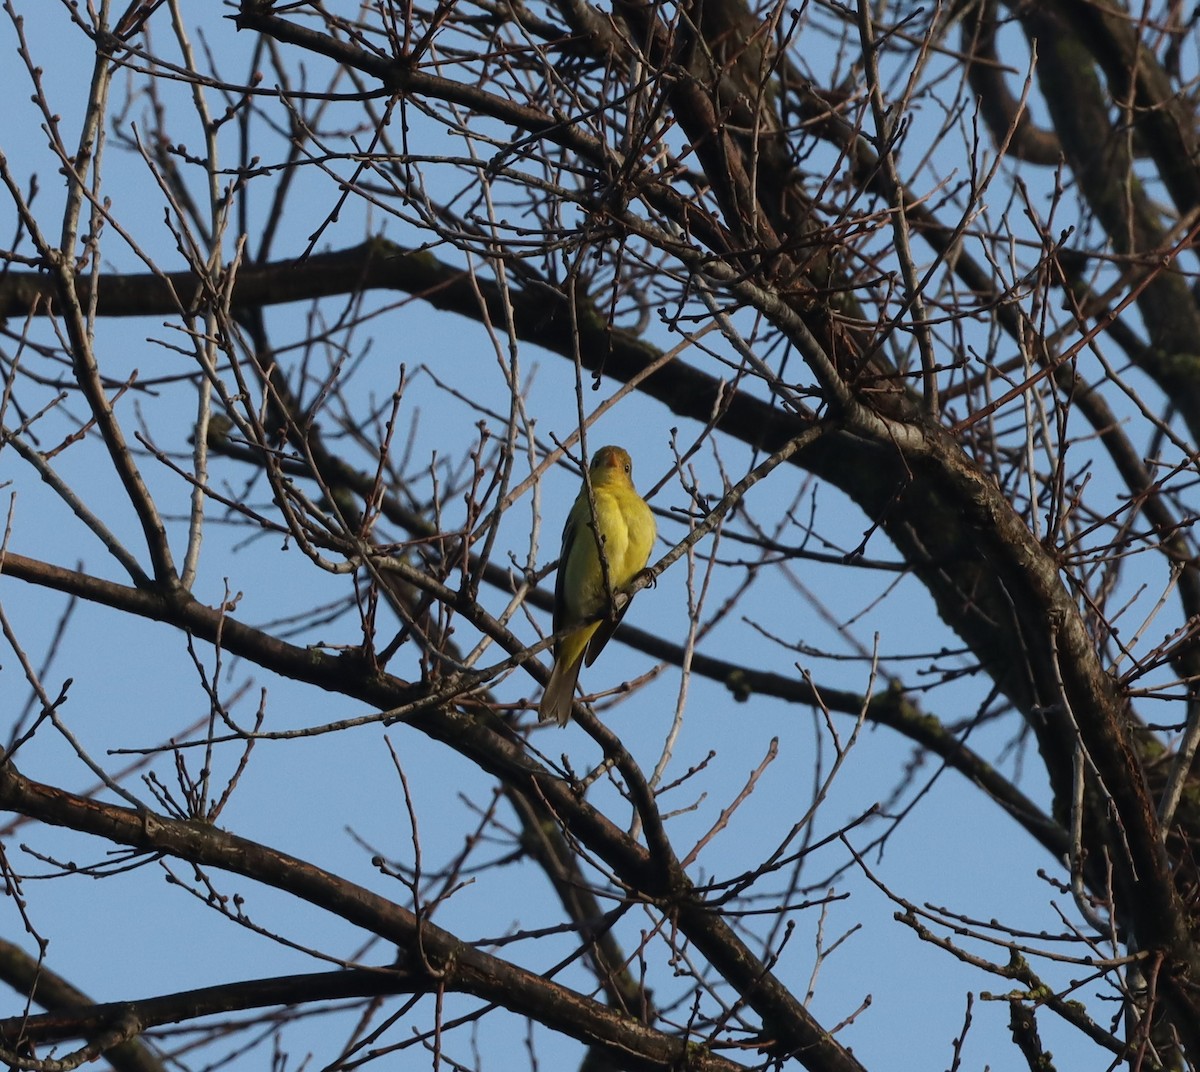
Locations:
column 623, row 532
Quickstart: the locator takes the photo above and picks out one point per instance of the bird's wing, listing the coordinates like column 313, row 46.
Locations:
column 564, row 614
column 602, row 636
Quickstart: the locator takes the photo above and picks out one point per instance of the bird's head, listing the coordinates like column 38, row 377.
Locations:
column 610, row 461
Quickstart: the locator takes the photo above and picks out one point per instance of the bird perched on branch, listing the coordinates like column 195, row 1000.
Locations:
column 601, row 554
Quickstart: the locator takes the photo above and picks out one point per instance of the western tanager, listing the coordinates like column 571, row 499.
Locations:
column 623, row 533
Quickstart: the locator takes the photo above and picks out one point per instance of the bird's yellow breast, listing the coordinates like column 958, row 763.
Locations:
column 625, row 525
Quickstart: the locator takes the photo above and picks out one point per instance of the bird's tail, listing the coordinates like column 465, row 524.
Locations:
column 560, row 692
